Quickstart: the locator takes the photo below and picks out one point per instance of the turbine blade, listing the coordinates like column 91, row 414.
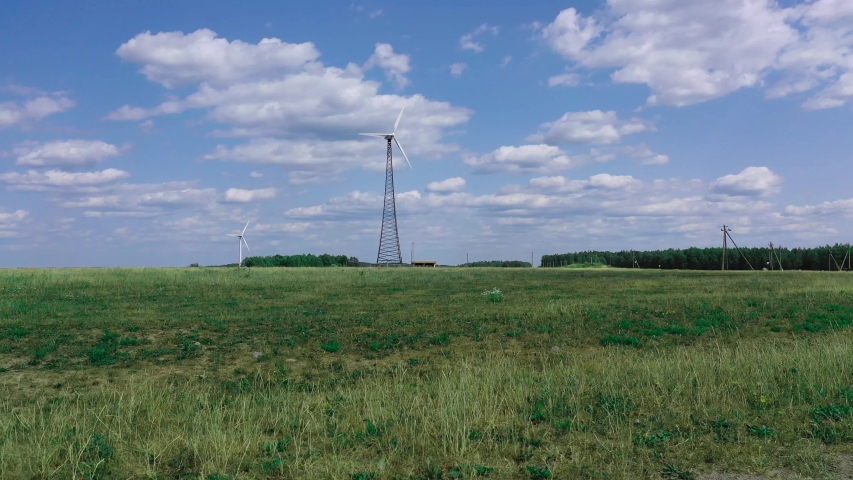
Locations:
column 376, row 134
column 398, row 119
column 247, row 244
column 232, row 234
column 244, row 229
column 403, row 152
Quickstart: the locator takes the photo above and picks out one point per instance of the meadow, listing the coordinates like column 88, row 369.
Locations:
column 368, row 373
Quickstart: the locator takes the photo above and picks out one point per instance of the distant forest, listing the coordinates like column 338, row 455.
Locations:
column 308, row 260
column 711, row 258
column 498, row 263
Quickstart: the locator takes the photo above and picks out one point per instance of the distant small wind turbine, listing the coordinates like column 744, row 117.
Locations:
column 240, row 241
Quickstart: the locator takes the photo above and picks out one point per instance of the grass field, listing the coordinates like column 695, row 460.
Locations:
column 415, row 373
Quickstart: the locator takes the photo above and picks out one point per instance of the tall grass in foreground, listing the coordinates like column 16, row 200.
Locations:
column 587, row 413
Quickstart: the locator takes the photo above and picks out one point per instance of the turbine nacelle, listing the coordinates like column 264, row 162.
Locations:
column 392, row 136
column 241, row 240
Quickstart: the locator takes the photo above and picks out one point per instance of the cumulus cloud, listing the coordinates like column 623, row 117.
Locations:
column 686, row 52
column 524, row 159
column 669, row 202
column 642, row 152
column 691, row 52
column 173, row 59
column 16, row 216
column 9, row 222
column 57, row 179
column 565, row 79
column 457, row 68
column 450, row 185
column 12, row 113
column 593, row 127
column 306, row 105
column 835, row 207
column 66, row 152
column 570, row 33
column 395, row 65
column 751, row 182
column 237, row 195
column 142, row 200
column 308, row 160
column 466, row 42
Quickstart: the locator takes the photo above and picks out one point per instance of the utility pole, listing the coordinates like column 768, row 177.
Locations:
column 725, row 231
column 412, row 260
column 531, row 259
column 771, row 255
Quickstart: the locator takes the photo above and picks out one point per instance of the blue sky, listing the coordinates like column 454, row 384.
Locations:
column 139, row 134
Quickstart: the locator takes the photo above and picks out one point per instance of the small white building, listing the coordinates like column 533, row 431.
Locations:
column 424, row 263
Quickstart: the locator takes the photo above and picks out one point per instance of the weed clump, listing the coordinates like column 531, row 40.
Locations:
column 493, row 296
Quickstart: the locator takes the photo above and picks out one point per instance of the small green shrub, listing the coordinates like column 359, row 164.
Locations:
column 617, row 340
column 331, row 347
column 538, row 472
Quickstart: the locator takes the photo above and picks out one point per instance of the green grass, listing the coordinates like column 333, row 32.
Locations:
column 399, row 373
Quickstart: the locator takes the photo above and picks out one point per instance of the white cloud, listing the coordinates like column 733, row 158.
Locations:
column 466, row 42
column 147, row 125
column 686, row 52
column 143, row 200
column 317, row 158
column 593, row 127
column 691, row 52
column 457, row 68
column 646, row 155
column 256, row 175
column 12, row 113
column 315, row 104
column 565, row 79
column 375, row 13
column 570, row 33
column 844, row 207
column 524, row 159
column 57, row 179
column 67, row 152
column 450, row 185
column 561, row 184
column 658, row 159
column 751, row 182
column 506, row 61
column 669, row 202
column 237, row 195
column 396, row 65
column 173, row 59
column 16, row 216
column 9, row 222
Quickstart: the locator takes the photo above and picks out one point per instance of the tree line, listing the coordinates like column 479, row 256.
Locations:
column 498, row 263
column 309, row 260
column 829, row 257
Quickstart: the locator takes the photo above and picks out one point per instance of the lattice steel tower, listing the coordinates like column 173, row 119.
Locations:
column 389, row 241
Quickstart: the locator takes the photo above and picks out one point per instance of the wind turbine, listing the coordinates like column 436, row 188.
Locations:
column 389, row 241
column 240, row 241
